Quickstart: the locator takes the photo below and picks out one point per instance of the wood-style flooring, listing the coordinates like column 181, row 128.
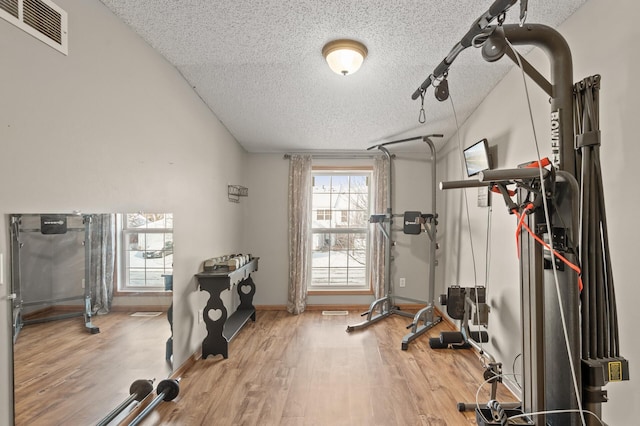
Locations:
column 307, row 370
column 64, row 375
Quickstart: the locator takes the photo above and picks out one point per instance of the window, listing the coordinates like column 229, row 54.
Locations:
column 146, row 250
column 340, row 229
column 323, row 215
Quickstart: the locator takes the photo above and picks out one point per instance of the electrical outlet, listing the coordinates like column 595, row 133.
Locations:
column 403, row 282
column 83, row 283
column 199, row 316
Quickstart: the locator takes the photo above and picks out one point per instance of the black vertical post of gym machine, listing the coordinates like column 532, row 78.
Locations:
column 548, row 383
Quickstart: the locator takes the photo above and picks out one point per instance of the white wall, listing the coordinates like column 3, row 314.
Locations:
column 112, row 127
column 603, row 40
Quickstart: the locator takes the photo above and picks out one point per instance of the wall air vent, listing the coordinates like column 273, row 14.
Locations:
column 43, row 19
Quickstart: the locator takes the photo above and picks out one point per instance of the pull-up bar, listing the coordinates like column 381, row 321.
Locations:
column 415, row 138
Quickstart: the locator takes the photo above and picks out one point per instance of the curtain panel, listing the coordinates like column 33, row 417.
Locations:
column 380, row 206
column 102, row 262
column 299, row 232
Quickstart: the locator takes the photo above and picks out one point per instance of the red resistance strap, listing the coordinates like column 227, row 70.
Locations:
column 521, row 224
column 538, row 164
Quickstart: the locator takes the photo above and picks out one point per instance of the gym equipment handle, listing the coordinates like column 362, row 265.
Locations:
column 502, row 175
column 457, row 184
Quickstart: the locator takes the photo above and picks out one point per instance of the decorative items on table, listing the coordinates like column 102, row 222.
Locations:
column 229, row 262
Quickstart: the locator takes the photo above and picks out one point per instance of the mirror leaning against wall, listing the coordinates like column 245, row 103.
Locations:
column 92, row 311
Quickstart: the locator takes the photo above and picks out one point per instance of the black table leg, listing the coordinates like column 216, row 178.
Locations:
column 215, row 343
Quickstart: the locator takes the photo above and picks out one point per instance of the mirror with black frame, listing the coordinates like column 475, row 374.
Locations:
column 91, row 313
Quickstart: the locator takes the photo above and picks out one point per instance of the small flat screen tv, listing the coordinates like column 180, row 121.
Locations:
column 476, row 158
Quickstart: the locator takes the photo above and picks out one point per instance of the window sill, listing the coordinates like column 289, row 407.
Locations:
column 328, row 292
column 142, row 293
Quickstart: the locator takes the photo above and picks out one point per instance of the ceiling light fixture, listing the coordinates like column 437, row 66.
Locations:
column 344, row 56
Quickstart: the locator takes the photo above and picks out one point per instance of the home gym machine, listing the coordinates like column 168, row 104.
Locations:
column 413, row 222
column 37, row 243
column 570, row 344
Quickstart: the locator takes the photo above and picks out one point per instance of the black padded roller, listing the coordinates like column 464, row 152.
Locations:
column 480, row 336
column 435, row 343
column 451, row 337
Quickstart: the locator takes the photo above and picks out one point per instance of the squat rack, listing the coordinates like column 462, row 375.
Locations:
column 385, row 306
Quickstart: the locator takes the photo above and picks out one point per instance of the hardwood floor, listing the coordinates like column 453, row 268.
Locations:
column 306, row 370
column 66, row 376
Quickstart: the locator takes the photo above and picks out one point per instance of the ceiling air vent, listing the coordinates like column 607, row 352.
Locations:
column 43, row 19
column 10, row 6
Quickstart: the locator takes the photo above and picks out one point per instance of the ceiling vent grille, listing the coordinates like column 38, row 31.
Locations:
column 10, row 6
column 43, row 19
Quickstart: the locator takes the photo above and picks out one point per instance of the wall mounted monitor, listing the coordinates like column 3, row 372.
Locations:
column 476, row 158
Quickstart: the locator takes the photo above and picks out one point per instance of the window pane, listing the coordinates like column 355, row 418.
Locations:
column 339, row 254
column 359, row 184
column 136, row 220
column 321, row 243
column 137, row 277
column 320, row 276
column 357, row 258
column 359, row 202
column 338, row 277
column 322, row 201
column 321, row 183
column 154, row 277
column 340, row 184
column 133, row 241
column 358, row 219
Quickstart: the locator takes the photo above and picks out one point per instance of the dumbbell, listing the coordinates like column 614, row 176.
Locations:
column 137, row 392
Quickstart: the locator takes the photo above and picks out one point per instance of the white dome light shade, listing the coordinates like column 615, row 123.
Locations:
column 344, row 56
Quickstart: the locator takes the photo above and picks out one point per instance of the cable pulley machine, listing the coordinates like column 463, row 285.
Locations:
column 570, row 344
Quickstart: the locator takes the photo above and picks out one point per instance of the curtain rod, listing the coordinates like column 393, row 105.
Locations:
column 334, row 154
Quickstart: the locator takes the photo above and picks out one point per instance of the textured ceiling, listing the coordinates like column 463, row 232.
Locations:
column 258, row 64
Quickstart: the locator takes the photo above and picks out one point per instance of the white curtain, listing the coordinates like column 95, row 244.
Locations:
column 380, row 194
column 299, row 232
column 102, row 262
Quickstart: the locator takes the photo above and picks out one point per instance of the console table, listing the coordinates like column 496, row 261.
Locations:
column 222, row 329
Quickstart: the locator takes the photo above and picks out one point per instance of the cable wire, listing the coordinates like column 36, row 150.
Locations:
column 466, row 204
column 487, row 249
